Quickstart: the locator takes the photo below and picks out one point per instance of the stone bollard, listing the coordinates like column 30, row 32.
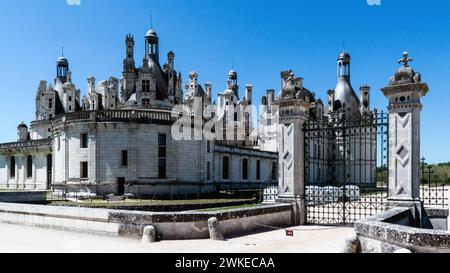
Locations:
column 403, row 251
column 352, row 244
column 149, row 235
column 215, row 233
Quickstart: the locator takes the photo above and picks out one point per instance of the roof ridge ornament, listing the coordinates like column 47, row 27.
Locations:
column 406, row 59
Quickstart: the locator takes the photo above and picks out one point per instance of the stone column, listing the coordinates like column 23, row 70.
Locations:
column 291, row 148
column 404, row 94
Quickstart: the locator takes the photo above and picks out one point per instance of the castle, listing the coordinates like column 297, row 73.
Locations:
column 119, row 138
column 130, row 135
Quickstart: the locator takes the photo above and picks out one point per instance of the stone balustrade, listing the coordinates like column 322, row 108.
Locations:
column 139, row 116
column 27, row 144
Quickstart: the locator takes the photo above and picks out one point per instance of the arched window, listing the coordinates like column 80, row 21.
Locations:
column 12, row 167
column 226, row 168
column 245, row 169
column 274, row 171
column 29, row 166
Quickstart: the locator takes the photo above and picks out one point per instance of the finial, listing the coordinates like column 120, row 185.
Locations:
column 405, row 60
column 343, row 46
column 62, row 51
column 151, row 21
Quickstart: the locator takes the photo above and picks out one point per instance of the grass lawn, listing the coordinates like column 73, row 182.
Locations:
column 138, row 203
column 230, row 208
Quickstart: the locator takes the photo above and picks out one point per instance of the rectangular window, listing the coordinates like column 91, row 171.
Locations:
column 29, row 166
column 162, row 154
column 258, row 170
column 83, row 141
column 208, row 144
column 84, row 170
column 245, row 169
column 124, row 158
column 226, row 168
column 12, row 167
column 208, row 171
column 162, row 140
column 162, row 168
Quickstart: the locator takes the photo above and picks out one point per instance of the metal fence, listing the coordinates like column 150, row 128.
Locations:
column 346, row 174
column 434, row 189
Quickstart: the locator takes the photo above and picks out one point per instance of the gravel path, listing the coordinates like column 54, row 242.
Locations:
column 18, row 239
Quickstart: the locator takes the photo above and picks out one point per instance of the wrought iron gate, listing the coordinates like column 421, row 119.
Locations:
column 346, row 174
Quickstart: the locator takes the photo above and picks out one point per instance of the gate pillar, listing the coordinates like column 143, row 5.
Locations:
column 404, row 94
column 293, row 113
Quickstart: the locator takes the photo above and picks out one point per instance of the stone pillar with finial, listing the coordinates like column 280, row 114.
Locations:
column 404, row 93
column 294, row 106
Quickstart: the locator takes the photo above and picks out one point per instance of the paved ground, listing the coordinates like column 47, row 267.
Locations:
column 18, row 239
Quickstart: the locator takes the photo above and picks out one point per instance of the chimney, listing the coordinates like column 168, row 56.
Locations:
column 248, row 93
column 365, row 99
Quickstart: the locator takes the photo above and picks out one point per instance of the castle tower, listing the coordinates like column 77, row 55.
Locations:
column 152, row 46
column 128, row 63
column 345, row 96
column 128, row 82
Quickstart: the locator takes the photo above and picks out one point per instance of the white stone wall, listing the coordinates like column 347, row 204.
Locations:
column 237, row 156
column 186, row 160
column 41, row 129
column 21, row 181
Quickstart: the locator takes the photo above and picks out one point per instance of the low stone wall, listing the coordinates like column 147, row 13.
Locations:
column 25, row 197
column 391, row 231
column 169, row 226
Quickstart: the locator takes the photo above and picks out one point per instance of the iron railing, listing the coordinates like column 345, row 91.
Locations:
column 346, row 174
column 434, row 189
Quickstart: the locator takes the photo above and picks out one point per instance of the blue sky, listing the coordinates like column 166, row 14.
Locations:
column 260, row 37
